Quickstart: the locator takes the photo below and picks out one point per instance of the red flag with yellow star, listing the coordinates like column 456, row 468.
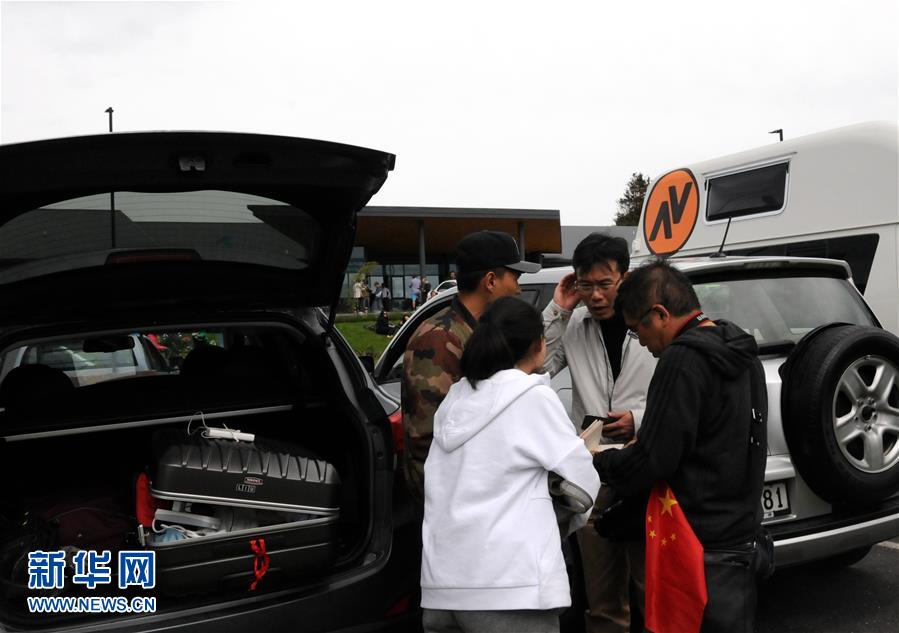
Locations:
column 675, row 572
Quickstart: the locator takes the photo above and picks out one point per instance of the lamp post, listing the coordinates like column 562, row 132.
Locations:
column 111, row 194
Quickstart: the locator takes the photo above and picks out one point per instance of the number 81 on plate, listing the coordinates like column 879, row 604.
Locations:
column 775, row 501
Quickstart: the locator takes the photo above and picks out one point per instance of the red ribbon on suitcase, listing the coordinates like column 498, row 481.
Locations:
column 260, row 563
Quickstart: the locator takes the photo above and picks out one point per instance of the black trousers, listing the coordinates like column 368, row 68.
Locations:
column 731, row 586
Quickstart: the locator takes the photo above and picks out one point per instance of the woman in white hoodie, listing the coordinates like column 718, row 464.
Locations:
column 492, row 556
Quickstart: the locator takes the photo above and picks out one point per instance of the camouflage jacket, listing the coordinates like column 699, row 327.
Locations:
column 430, row 367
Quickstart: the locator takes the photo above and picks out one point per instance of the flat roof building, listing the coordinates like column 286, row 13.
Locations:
column 432, row 233
column 407, row 241
column 572, row 235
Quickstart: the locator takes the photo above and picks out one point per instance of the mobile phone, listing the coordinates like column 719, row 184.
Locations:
column 590, row 419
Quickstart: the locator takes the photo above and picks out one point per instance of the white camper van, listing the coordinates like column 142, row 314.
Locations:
column 831, row 194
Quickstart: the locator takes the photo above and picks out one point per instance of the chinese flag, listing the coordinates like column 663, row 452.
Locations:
column 675, row 573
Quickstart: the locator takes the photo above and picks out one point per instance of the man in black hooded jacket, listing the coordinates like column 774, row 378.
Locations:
column 703, row 433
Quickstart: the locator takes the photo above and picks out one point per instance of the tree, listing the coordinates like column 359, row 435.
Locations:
column 362, row 274
column 631, row 204
column 365, row 271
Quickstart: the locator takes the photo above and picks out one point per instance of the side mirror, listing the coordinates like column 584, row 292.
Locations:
column 369, row 363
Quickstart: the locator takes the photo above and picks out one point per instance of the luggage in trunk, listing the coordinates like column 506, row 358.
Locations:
column 244, row 514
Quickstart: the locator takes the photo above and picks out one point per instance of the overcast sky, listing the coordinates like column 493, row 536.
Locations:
column 486, row 104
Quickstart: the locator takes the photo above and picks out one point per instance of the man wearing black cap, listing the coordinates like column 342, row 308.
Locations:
column 488, row 264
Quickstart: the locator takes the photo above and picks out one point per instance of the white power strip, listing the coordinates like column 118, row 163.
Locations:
column 228, row 434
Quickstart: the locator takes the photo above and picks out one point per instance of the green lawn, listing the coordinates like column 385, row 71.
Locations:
column 363, row 340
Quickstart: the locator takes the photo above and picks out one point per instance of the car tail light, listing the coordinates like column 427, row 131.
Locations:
column 396, row 427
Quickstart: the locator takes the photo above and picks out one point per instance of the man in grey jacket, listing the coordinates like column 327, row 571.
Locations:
column 610, row 374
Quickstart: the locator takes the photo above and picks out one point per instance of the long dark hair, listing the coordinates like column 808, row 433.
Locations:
column 506, row 332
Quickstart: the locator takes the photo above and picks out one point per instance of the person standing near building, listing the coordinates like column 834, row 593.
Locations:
column 425, row 289
column 703, row 437
column 357, row 296
column 366, row 296
column 376, row 297
column 385, row 298
column 489, row 265
column 414, row 290
column 610, row 374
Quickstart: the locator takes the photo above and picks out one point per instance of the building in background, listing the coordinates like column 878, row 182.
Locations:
column 572, row 235
column 407, row 241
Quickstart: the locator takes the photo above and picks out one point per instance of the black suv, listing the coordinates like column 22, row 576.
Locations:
column 217, row 248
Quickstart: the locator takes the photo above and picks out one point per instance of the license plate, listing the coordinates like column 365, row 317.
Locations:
column 775, row 501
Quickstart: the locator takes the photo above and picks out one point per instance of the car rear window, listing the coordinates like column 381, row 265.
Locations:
column 213, row 225
column 71, row 357
column 91, row 360
column 783, row 308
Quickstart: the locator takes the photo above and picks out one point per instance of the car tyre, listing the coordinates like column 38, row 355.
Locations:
column 840, row 404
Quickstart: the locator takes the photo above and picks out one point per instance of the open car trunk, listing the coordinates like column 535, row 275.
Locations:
column 101, row 428
column 227, row 220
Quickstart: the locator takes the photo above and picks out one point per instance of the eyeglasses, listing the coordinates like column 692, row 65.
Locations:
column 632, row 333
column 587, row 288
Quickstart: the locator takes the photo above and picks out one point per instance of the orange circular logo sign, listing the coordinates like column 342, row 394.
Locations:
column 671, row 212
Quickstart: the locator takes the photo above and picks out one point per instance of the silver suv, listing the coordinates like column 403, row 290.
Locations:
column 831, row 372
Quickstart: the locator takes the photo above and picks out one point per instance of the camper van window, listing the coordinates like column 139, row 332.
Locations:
column 756, row 191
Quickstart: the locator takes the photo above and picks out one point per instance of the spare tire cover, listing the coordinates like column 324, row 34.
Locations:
column 840, row 411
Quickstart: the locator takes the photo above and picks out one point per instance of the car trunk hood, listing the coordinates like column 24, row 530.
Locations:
column 97, row 223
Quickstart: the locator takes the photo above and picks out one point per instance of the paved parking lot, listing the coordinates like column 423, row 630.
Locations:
column 863, row 598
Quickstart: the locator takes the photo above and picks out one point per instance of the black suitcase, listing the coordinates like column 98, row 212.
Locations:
column 293, row 497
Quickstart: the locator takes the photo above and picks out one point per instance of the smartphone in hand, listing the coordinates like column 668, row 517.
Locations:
column 590, row 419
column 592, row 436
